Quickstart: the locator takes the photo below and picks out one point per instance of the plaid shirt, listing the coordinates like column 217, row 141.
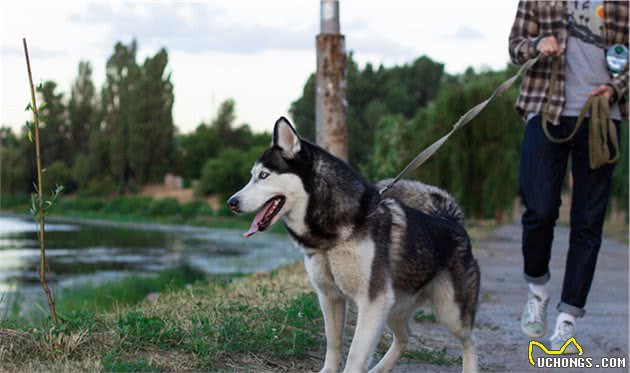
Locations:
column 538, row 19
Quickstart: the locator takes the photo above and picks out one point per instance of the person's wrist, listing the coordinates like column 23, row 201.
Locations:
column 615, row 94
column 537, row 40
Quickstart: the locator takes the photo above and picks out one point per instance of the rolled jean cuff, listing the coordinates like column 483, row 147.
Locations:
column 571, row 310
column 540, row 280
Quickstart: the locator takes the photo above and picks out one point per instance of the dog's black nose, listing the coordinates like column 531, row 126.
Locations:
column 233, row 203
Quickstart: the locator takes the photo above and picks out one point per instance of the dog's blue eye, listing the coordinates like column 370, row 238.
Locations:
column 263, row 174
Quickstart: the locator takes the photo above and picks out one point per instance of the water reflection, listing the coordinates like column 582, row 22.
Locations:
column 101, row 251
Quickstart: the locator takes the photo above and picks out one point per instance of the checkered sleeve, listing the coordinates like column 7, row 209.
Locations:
column 620, row 26
column 524, row 34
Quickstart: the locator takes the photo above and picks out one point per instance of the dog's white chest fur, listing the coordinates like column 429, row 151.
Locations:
column 345, row 268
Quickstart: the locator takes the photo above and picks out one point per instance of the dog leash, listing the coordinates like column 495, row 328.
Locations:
column 467, row 117
column 601, row 126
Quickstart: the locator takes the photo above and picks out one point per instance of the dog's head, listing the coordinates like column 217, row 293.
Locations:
column 275, row 188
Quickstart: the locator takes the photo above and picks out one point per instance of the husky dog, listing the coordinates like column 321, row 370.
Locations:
column 388, row 254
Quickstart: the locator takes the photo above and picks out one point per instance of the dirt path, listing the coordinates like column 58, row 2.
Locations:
column 502, row 347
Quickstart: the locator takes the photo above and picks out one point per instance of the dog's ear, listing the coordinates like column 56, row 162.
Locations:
column 286, row 138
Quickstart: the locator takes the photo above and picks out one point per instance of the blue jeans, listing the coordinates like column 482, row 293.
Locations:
column 542, row 173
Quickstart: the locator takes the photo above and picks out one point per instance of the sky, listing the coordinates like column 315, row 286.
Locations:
column 259, row 53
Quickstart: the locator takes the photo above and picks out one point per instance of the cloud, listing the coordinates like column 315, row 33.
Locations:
column 201, row 28
column 376, row 45
column 191, row 28
column 465, row 32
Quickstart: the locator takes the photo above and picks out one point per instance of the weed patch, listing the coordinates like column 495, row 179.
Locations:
column 437, row 357
column 138, row 329
column 112, row 362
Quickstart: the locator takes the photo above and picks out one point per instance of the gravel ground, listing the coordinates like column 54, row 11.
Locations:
column 603, row 332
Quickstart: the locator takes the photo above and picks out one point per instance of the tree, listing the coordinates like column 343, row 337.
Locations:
column 151, row 131
column 195, row 149
column 82, row 109
column 58, row 173
column 479, row 164
column 55, row 131
column 228, row 172
column 303, row 110
column 224, row 121
column 372, row 94
column 208, row 140
column 122, row 79
column 388, row 156
column 16, row 164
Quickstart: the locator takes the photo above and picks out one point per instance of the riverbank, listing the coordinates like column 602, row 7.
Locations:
column 262, row 321
column 137, row 210
column 90, row 297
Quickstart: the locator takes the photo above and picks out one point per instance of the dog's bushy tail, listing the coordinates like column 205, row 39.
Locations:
column 426, row 198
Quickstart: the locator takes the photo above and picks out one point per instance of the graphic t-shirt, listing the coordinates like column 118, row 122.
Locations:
column 585, row 67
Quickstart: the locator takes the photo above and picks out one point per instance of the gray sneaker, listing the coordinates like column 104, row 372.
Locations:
column 534, row 317
column 563, row 332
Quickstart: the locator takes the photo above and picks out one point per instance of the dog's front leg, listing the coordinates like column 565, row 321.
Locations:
column 334, row 308
column 370, row 322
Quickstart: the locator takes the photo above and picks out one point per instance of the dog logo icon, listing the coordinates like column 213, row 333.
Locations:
column 552, row 352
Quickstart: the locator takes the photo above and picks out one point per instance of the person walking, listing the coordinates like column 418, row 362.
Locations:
column 577, row 36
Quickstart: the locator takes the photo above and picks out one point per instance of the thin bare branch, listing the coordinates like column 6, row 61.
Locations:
column 40, row 215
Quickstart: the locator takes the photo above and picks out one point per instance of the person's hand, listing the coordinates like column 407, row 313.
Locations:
column 604, row 90
column 548, row 46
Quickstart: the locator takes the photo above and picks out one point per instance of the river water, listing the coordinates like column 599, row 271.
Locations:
column 100, row 251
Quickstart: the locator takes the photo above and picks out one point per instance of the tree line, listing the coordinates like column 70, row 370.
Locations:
column 119, row 138
column 394, row 113
column 114, row 140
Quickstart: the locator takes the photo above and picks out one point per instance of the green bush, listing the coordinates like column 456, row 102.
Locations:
column 204, row 209
column 164, row 206
column 58, row 173
column 102, row 186
column 81, row 204
column 81, row 173
column 9, row 201
column 128, row 205
column 15, row 170
column 191, row 209
column 224, row 211
column 228, row 172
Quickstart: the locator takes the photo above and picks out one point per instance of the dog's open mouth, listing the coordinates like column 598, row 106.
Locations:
column 263, row 218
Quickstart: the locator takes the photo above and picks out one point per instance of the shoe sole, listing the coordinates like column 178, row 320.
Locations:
column 532, row 335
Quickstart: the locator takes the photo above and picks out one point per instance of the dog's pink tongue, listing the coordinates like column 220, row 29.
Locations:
column 253, row 228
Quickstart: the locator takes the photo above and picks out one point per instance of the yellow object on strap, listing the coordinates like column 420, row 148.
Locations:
column 601, row 127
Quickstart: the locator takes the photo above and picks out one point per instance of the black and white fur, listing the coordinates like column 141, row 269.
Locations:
column 387, row 254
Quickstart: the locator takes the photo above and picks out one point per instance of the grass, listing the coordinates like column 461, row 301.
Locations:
column 77, row 305
column 126, row 291
column 113, row 363
column 263, row 321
